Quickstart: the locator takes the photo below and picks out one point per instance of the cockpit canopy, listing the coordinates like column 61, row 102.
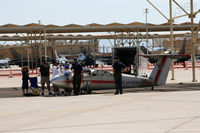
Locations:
column 94, row 72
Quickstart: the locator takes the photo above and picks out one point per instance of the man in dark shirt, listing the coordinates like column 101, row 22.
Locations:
column 77, row 70
column 44, row 71
column 117, row 70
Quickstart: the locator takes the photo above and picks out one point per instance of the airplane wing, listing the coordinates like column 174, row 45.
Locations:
column 166, row 55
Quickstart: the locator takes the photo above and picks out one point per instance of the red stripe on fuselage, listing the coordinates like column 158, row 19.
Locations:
column 102, row 81
column 159, row 70
column 147, row 82
column 71, row 81
column 94, row 81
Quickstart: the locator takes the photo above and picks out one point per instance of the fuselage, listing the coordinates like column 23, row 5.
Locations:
column 100, row 79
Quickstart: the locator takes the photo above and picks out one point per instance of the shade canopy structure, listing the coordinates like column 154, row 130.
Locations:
column 74, row 28
column 87, row 37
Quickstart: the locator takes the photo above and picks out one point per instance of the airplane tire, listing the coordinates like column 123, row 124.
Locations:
column 69, row 93
column 152, row 88
column 89, row 91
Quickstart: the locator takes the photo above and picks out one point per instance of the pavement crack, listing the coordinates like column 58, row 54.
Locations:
column 183, row 123
column 108, row 123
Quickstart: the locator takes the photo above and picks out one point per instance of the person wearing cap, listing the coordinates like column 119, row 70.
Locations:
column 117, row 70
column 67, row 71
column 77, row 70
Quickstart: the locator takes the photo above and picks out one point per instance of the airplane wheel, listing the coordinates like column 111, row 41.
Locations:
column 89, row 91
column 69, row 93
column 62, row 92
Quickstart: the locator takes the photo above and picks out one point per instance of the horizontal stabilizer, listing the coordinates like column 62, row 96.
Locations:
column 158, row 56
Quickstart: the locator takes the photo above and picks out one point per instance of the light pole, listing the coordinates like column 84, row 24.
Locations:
column 193, row 41
column 171, row 36
column 45, row 44
column 147, row 36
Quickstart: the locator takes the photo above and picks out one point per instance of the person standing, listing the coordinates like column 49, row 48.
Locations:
column 55, row 71
column 77, row 70
column 44, row 71
column 117, row 70
column 25, row 78
column 55, row 68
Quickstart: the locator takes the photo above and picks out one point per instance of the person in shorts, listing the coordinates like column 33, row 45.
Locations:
column 44, row 71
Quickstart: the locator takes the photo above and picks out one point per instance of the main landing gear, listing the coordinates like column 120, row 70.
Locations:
column 152, row 88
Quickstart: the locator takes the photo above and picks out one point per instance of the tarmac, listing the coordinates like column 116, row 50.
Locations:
column 174, row 108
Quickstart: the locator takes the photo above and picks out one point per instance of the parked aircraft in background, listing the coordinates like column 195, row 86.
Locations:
column 19, row 60
column 181, row 52
column 81, row 57
column 4, row 63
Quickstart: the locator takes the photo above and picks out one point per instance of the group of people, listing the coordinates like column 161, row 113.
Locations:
column 77, row 70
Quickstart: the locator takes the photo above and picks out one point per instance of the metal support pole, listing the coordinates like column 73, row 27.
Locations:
column 153, row 45
column 32, row 51
column 180, row 7
column 147, row 36
column 40, row 43
column 28, row 51
column 28, row 57
column 157, row 9
column 115, row 44
column 22, row 56
column 45, row 45
column 136, row 60
column 171, row 37
column 193, row 43
column 122, row 43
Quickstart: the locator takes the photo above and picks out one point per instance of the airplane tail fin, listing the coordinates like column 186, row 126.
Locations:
column 182, row 51
column 56, row 54
column 161, row 69
column 81, row 57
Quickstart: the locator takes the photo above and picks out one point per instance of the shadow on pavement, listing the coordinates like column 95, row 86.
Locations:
column 17, row 92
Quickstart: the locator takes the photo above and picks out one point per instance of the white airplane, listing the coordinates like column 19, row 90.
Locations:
column 62, row 59
column 100, row 79
column 4, row 62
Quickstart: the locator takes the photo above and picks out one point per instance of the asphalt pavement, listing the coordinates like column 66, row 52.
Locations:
column 174, row 108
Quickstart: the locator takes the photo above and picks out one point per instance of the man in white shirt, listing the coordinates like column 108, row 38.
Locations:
column 56, row 71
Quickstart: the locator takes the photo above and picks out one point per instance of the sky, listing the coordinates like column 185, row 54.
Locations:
column 63, row 12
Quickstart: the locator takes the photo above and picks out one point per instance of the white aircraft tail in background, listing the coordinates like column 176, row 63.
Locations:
column 62, row 59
